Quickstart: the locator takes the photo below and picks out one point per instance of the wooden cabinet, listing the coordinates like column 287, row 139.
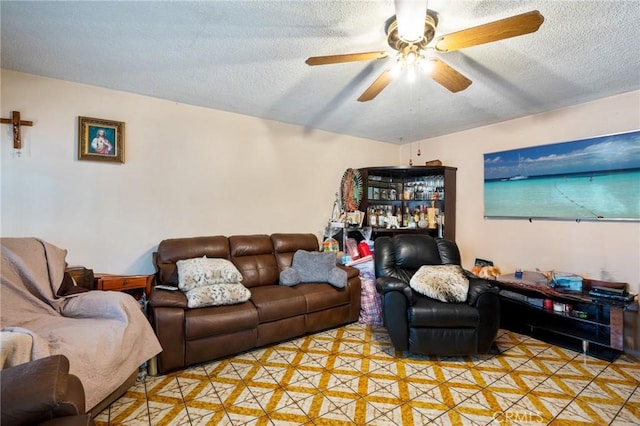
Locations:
column 428, row 191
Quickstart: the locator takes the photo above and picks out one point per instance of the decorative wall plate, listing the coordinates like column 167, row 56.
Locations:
column 351, row 190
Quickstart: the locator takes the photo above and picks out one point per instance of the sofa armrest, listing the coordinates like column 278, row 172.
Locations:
column 40, row 390
column 385, row 285
column 80, row 420
column 351, row 271
column 485, row 297
column 478, row 287
column 167, row 298
column 397, row 296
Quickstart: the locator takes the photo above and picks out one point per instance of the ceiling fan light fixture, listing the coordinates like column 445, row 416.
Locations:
column 411, row 58
column 410, row 17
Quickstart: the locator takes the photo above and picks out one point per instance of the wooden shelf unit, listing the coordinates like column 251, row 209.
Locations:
column 398, row 179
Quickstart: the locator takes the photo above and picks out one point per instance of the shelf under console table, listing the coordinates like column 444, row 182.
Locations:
column 593, row 326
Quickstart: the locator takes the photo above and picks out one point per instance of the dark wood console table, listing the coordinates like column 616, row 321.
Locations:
column 596, row 327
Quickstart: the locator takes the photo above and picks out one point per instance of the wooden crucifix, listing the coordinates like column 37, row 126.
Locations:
column 15, row 120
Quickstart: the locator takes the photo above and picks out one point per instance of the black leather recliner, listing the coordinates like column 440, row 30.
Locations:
column 419, row 324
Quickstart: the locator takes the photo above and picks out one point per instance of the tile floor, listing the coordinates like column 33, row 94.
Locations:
column 352, row 376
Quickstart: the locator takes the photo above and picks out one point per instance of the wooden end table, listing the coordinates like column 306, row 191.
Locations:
column 124, row 282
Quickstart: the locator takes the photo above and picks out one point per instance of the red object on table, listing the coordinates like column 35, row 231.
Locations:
column 363, row 249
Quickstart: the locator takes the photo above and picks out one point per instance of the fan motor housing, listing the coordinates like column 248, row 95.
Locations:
column 398, row 44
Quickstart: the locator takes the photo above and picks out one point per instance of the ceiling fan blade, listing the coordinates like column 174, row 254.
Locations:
column 448, row 77
column 376, row 87
column 514, row 26
column 349, row 57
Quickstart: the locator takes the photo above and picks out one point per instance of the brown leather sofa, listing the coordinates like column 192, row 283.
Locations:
column 273, row 314
column 42, row 392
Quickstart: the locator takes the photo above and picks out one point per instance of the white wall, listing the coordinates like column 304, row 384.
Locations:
column 600, row 250
column 195, row 171
column 188, row 171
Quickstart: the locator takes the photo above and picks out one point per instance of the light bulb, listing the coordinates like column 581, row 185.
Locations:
column 411, row 58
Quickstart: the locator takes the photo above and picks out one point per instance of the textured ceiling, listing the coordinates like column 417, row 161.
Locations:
column 248, row 57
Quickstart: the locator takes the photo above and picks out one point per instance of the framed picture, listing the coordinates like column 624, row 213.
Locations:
column 100, row 140
column 587, row 179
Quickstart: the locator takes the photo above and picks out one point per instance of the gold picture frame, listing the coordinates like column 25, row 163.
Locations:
column 100, row 140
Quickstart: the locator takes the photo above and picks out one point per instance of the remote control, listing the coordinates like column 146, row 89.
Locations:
column 166, row 287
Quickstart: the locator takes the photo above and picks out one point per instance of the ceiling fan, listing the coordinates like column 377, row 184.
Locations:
column 411, row 32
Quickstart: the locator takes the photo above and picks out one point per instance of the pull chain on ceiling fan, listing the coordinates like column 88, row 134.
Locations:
column 411, row 32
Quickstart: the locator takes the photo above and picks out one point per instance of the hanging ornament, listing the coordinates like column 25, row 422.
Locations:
column 410, row 154
column 418, row 153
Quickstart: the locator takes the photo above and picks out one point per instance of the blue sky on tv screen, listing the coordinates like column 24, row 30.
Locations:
column 600, row 154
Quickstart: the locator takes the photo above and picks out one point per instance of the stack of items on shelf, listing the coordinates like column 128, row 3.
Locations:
column 565, row 281
column 610, row 295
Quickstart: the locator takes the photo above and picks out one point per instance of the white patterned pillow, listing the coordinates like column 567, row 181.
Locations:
column 217, row 294
column 446, row 283
column 201, row 271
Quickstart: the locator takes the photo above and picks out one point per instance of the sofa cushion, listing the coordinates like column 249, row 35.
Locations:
column 172, row 250
column 446, row 283
column 214, row 320
column 253, row 256
column 275, row 302
column 203, row 271
column 286, row 245
column 217, row 294
column 319, row 296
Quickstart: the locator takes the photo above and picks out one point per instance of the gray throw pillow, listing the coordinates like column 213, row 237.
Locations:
column 289, row 277
column 314, row 267
column 338, row 277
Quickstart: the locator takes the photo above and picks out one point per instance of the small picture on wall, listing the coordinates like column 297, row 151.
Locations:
column 100, row 140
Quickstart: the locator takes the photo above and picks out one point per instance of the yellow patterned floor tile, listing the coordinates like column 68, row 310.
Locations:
column 167, row 414
column 423, row 414
column 454, row 417
column 560, row 387
column 206, row 411
column 546, row 408
column 576, row 414
column 194, row 387
column 622, row 373
column 630, row 415
column 353, row 376
column 129, row 410
column 605, row 391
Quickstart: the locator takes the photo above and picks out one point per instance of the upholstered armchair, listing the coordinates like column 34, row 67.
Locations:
column 423, row 325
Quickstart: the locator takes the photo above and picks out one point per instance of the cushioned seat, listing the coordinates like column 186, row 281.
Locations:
column 210, row 321
column 420, row 324
column 320, row 296
column 277, row 302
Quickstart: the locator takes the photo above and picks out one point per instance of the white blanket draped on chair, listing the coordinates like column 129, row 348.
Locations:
column 105, row 335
